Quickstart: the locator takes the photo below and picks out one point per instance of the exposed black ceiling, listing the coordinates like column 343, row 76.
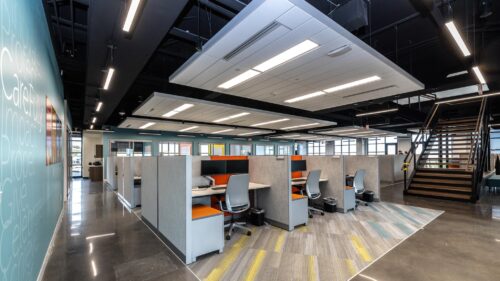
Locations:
column 169, row 32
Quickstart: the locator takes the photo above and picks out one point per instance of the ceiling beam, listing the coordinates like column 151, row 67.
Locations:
column 216, row 8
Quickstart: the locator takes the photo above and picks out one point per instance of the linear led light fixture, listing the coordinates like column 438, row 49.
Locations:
column 231, row 117
column 132, row 11
column 300, row 126
column 455, row 74
column 468, row 98
column 250, row 133
column 287, row 55
column 178, row 110
column 376, row 112
column 99, row 105
column 479, row 75
column 458, row 38
column 335, row 89
column 99, row 236
column 341, row 131
column 223, row 131
column 92, row 126
column 270, row 122
column 249, row 74
column 94, row 119
column 150, row 134
column 109, row 76
column 188, row 129
column 271, row 63
column 149, row 124
column 186, row 136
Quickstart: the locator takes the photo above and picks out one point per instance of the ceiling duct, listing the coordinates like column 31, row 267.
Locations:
column 353, row 15
column 256, row 37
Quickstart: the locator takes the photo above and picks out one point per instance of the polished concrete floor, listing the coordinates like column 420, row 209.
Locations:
column 462, row 244
column 99, row 239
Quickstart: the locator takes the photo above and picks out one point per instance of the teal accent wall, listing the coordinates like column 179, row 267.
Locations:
column 31, row 193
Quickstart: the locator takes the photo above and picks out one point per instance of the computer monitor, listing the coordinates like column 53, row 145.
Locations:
column 237, row 166
column 213, row 167
column 299, row 165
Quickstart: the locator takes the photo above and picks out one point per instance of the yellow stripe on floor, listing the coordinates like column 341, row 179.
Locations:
column 255, row 266
column 280, row 242
column 313, row 275
column 351, row 267
column 360, row 248
column 219, row 271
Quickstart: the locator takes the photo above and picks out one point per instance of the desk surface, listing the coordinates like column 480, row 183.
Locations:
column 210, row 191
column 302, row 180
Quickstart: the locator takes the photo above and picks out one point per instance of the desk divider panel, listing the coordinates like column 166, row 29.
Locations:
column 128, row 180
column 371, row 165
column 387, row 163
column 275, row 171
column 175, row 203
column 149, row 190
column 111, row 171
column 119, row 175
column 332, row 168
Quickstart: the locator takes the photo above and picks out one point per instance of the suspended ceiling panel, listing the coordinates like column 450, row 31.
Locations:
column 357, row 132
column 188, row 128
column 304, row 137
column 205, row 111
column 265, row 29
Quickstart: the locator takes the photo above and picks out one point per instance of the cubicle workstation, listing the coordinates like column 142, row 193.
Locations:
column 128, row 180
column 371, row 166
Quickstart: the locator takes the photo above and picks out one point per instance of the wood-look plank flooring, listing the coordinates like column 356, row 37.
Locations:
column 333, row 247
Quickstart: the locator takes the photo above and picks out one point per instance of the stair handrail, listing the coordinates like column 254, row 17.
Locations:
column 418, row 141
column 477, row 134
column 481, row 148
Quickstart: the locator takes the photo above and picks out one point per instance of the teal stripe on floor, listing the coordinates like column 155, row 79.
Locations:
column 403, row 228
column 404, row 214
column 379, row 229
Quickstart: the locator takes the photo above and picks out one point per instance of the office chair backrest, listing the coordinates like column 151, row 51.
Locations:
column 237, row 199
column 359, row 181
column 312, row 184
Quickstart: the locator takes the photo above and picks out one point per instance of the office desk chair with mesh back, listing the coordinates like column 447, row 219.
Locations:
column 359, row 186
column 312, row 190
column 236, row 202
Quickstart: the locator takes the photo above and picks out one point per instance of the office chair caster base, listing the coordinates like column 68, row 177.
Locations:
column 310, row 216
column 228, row 237
column 249, row 233
column 322, row 213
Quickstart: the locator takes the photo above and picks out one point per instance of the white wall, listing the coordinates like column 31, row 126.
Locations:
column 404, row 144
column 90, row 139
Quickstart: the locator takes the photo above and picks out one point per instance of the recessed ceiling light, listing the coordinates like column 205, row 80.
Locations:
column 376, row 112
column 178, row 110
column 250, row 133
column 305, row 97
column 287, row 55
column 132, row 11
column 223, row 131
column 300, row 126
column 109, row 76
column 188, row 129
column 270, row 122
column 231, row 117
column 249, row 74
column 94, row 119
column 99, row 105
column 458, row 39
column 149, row 124
column 479, row 75
column 353, row 84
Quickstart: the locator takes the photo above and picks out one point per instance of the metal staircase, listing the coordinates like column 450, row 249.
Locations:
column 451, row 158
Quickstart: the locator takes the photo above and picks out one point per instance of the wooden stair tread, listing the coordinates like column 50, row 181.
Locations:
column 442, row 181
column 448, row 175
column 439, row 194
column 441, row 187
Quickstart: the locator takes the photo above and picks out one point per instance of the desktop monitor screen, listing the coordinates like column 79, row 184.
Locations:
column 213, row 167
column 237, row 167
column 299, row 165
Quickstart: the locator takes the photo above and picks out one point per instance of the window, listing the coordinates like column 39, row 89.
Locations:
column 175, row 148
column 419, row 147
column 212, row 149
column 261, row 149
column 379, row 146
column 495, row 141
column 76, row 155
column 240, row 149
column 284, row 150
column 316, row 148
column 345, row 147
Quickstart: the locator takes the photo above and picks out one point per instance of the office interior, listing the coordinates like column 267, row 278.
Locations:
column 249, row 140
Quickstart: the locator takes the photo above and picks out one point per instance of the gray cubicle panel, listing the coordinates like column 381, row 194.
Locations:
column 149, row 190
column 175, row 203
column 332, row 168
column 111, row 172
column 119, row 175
column 276, row 200
column 371, row 165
